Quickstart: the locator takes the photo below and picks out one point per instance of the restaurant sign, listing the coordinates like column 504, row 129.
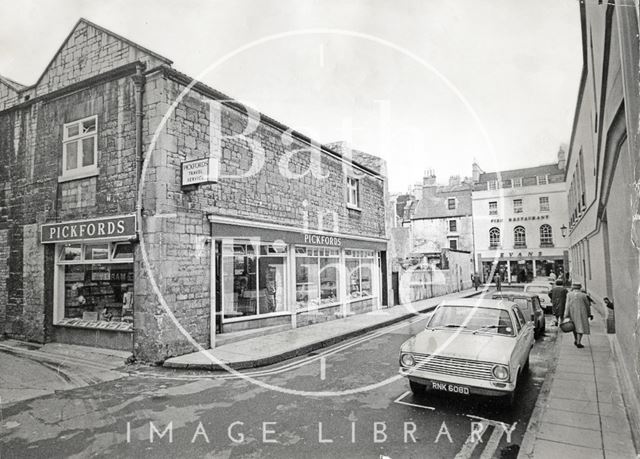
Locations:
column 199, row 171
column 122, row 227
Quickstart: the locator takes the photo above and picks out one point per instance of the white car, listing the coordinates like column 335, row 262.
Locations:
column 542, row 290
column 470, row 346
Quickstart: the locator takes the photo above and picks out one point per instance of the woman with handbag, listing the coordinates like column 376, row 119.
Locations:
column 578, row 309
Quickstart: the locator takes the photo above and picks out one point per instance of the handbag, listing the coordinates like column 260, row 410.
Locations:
column 567, row 325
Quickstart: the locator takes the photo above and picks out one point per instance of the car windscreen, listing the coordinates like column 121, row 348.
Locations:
column 474, row 319
column 537, row 289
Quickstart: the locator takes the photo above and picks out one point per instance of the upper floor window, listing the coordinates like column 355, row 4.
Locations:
column 517, row 206
column 546, row 236
column 453, row 226
column 494, row 238
column 519, row 237
column 544, row 204
column 543, row 179
column 516, row 182
column 79, row 146
column 451, row 203
column 493, row 207
column 493, row 184
column 453, row 244
column 353, row 192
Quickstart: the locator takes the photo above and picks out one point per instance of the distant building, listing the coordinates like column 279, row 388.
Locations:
column 518, row 216
column 603, row 173
column 442, row 217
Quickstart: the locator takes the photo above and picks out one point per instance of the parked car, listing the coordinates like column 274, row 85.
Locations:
column 470, row 346
column 542, row 290
column 529, row 304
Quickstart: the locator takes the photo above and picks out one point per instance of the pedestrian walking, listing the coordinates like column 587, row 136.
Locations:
column 578, row 309
column 476, row 281
column 558, row 295
column 498, row 282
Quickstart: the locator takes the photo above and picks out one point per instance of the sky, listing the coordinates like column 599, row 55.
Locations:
column 425, row 84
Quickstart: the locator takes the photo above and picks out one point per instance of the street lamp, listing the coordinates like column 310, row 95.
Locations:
column 563, row 230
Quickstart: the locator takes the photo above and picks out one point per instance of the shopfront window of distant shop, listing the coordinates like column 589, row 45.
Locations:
column 254, row 278
column 96, row 282
column 360, row 268
column 317, row 276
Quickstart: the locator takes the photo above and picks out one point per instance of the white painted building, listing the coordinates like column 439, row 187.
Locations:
column 519, row 217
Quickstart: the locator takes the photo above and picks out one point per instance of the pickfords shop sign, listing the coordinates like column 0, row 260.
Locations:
column 122, row 227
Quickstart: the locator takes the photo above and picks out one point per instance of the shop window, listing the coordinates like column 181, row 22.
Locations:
column 517, row 206
column 519, row 238
column 494, row 238
column 544, row 204
column 353, row 192
column 546, row 236
column 254, row 278
column 493, row 207
column 79, row 147
column 94, row 289
column 317, row 276
column 453, row 226
column 359, row 264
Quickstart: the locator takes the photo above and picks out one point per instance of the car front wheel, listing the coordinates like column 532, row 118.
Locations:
column 417, row 388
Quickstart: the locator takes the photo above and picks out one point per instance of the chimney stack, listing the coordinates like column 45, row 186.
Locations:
column 562, row 159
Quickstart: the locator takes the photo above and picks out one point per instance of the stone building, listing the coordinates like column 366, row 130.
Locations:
column 519, row 219
column 603, row 173
column 144, row 211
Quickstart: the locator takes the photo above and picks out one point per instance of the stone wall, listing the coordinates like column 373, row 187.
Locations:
column 31, row 162
column 176, row 243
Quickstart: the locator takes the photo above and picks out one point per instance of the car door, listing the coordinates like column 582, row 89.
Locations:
column 527, row 332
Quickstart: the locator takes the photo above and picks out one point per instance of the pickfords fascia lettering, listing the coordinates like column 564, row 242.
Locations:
column 79, row 230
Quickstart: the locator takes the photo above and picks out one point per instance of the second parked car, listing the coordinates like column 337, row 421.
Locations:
column 530, row 306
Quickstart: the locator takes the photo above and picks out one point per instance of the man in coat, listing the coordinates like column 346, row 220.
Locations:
column 558, row 295
column 578, row 309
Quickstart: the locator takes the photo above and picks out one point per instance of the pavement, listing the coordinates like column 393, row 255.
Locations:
column 277, row 347
column 580, row 412
column 31, row 370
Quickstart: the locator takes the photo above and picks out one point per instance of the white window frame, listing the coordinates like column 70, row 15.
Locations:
column 79, row 171
column 455, row 203
column 493, row 211
column 516, row 182
column 542, row 179
column 546, row 235
column 494, row 238
column 455, row 223
column 519, row 237
column 546, row 208
column 492, row 185
column 353, row 192
column 60, row 263
column 518, row 209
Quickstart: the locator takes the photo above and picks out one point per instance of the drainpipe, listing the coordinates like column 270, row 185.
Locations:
column 138, row 86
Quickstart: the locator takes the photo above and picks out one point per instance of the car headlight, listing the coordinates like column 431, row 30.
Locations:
column 407, row 360
column 500, row 372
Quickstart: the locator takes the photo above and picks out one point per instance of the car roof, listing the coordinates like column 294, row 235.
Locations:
column 538, row 284
column 514, row 294
column 478, row 302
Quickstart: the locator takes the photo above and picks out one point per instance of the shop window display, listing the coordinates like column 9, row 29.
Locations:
column 317, row 276
column 97, row 285
column 359, row 265
column 253, row 278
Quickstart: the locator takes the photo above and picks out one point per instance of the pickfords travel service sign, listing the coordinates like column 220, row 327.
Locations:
column 121, row 227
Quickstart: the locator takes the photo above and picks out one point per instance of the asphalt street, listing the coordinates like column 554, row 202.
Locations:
column 343, row 401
